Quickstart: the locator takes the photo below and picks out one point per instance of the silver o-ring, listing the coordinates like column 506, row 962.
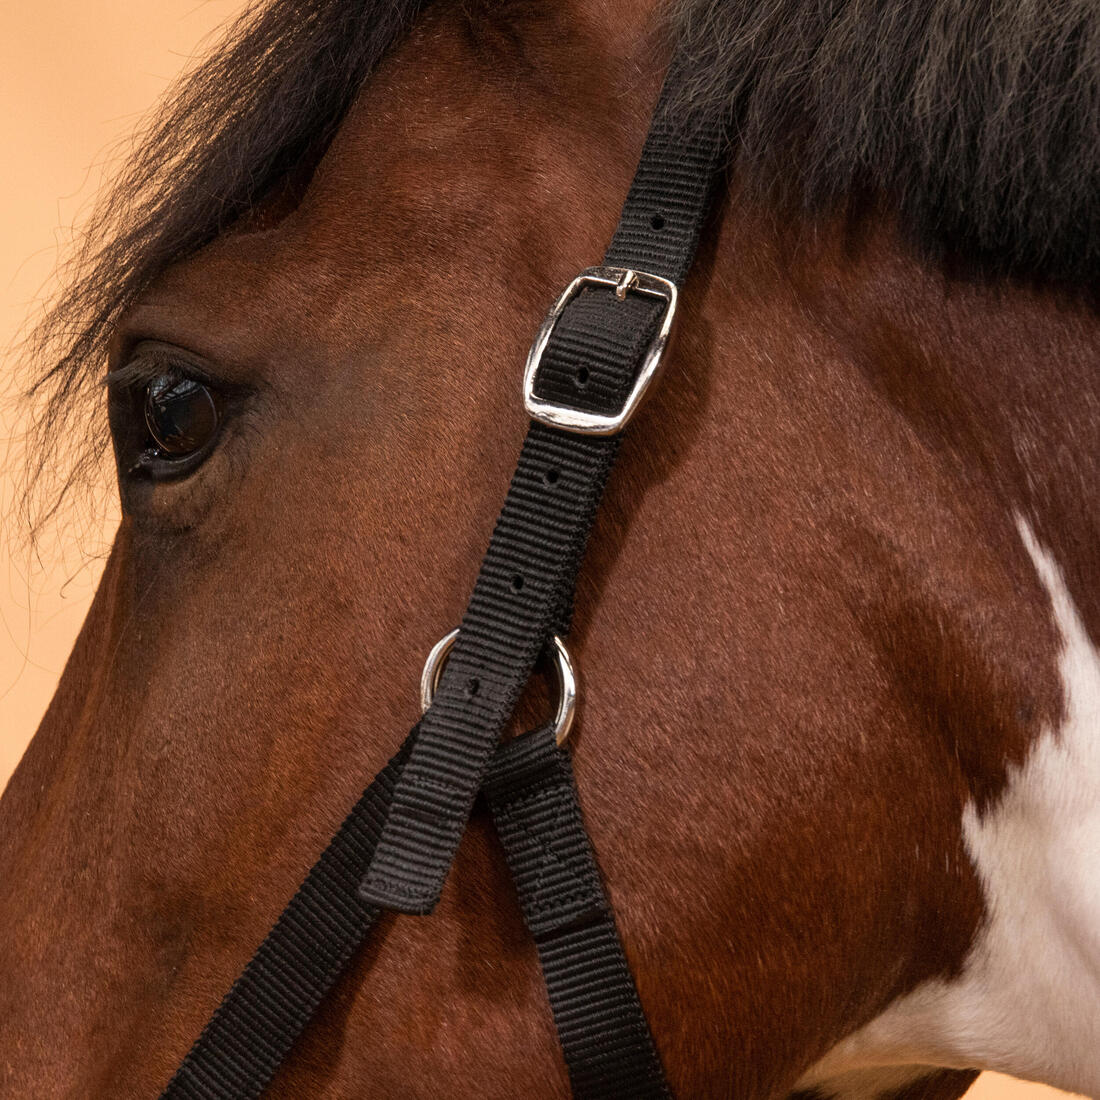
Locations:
column 564, row 673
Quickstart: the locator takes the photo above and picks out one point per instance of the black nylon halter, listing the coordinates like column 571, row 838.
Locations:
column 396, row 847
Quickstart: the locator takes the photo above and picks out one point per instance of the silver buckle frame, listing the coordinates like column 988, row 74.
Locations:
column 623, row 280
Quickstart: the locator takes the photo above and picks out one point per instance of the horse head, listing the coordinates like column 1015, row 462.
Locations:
column 837, row 745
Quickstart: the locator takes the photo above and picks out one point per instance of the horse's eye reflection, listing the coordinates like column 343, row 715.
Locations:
column 180, row 415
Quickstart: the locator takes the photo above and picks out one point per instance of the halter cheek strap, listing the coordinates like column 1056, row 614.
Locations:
column 601, row 335
column 595, row 355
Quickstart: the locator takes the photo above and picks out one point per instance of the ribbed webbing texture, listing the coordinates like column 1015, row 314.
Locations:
column 671, row 193
column 521, row 593
column 278, row 992
column 604, row 1036
column 525, row 586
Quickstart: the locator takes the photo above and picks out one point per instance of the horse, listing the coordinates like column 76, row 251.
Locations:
column 838, row 742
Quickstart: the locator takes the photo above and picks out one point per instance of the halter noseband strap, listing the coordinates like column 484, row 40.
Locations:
column 594, row 357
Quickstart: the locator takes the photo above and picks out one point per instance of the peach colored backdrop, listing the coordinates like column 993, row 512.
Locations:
column 75, row 78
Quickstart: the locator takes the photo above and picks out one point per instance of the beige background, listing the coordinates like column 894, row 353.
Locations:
column 75, row 78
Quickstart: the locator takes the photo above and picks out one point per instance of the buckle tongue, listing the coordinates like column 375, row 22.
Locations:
column 622, row 280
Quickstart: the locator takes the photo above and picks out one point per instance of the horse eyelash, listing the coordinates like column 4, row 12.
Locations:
column 141, row 370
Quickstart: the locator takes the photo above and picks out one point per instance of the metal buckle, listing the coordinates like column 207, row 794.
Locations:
column 623, row 280
column 565, row 675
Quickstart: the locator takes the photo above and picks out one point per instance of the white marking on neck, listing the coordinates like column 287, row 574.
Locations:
column 1028, row 1000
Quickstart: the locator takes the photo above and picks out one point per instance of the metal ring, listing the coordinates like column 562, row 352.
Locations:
column 564, row 674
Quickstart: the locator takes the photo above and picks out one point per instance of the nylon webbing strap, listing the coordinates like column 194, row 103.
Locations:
column 603, row 1032
column 525, row 586
column 308, row 948
column 604, row 1036
column 520, row 592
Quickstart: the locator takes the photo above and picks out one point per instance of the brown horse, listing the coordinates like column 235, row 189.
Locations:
column 839, row 739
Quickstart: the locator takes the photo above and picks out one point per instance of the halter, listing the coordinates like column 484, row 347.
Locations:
column 595, row 356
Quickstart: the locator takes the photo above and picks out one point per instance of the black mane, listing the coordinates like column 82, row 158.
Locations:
column 978, row 122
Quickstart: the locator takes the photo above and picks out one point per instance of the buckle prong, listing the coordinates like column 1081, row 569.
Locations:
column 623, row 280
column 625, row 283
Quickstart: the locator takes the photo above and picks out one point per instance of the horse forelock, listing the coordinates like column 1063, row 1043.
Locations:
column 258, row 112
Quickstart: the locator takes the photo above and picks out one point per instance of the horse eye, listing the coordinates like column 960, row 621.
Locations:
column 180, row 414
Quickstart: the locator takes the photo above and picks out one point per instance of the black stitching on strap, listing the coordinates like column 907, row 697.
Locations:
column 603, row 1031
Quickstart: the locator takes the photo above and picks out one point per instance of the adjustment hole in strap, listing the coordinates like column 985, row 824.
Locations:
column 552, row 476
column 626, row 282
column 658, row 222
column 564, row 674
